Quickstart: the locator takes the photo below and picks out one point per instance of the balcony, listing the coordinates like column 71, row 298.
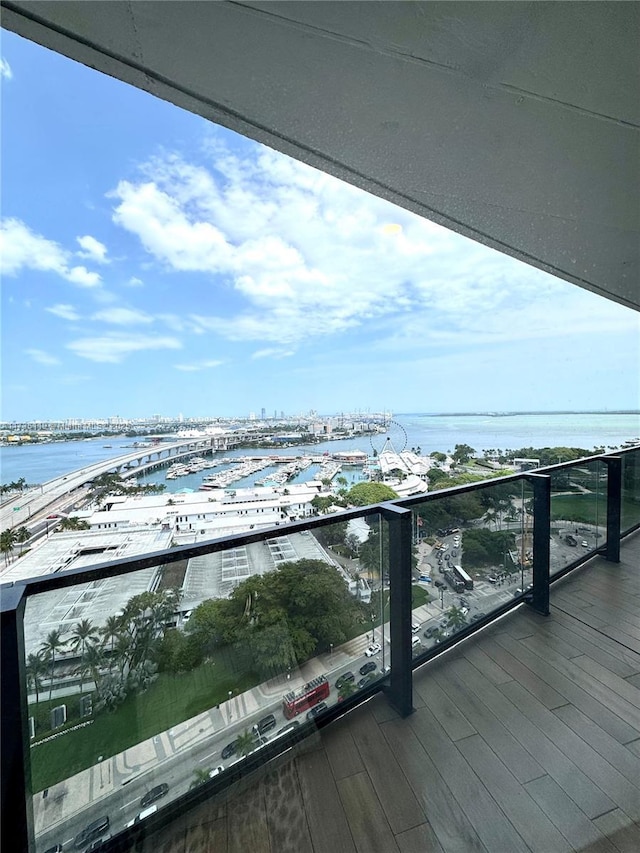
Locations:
column 474, row 722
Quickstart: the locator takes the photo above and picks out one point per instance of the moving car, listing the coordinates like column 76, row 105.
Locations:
column 368, row 667
column 373, row 649
column 229, row 750
column 154, row 794
column 91, row 832
column 316, row 710
column 345, row 678
column 266, row 724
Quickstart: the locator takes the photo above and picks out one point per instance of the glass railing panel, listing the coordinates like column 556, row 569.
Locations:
column 466, row 557
column 143, row 686
column 578, row 512
column 630, row 508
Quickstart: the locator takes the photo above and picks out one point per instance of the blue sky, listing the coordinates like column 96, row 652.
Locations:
column 155, row 263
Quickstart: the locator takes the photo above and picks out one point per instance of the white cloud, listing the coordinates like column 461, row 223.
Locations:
column 135, row 282
column 93, row 249
column 21, row 248
column 83, row 277
column 273, row 352
column 5, row 70
column 293, row 254
column 66, row 312
column 42, row 357
column 122, row 317
column 114, row 348
column 200, row 365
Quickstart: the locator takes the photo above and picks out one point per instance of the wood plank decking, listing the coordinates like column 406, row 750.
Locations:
column 525, row 738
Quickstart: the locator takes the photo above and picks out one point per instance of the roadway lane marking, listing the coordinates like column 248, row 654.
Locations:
column 130, row 803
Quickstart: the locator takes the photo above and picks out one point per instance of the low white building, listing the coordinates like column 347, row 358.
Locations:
column 213, row 513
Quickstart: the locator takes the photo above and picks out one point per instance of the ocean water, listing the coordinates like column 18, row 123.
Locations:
column 40, row 463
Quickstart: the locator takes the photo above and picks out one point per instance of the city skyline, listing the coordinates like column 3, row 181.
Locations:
column 155, row 262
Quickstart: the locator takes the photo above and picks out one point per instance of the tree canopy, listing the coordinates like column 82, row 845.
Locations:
column 282, row 618
column 364, row 494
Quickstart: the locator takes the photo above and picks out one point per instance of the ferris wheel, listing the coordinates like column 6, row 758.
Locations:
column 394, row 439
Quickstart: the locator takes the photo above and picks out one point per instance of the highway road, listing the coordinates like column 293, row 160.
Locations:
column 62, row 493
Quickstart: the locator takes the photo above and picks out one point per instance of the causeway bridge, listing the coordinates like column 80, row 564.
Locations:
column 19, row 509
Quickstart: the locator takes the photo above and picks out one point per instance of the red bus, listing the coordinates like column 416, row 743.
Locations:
column 315, row 691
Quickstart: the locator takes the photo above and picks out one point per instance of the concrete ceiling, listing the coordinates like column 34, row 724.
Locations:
column 515, row 124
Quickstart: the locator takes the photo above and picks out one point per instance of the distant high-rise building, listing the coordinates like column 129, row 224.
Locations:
column 282, row 415
column 252, row 416
column 263, row 413
column 275, row 414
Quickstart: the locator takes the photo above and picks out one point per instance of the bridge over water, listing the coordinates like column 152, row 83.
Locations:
column 20, row 509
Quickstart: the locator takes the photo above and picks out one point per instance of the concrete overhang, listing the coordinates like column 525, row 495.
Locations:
column 515, row 124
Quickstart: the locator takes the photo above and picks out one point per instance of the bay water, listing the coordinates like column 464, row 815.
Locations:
column 38, row 463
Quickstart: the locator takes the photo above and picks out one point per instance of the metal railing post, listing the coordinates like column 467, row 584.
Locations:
column 614, row 507
column 15, row 774
column 539, row 598
column 400, row 689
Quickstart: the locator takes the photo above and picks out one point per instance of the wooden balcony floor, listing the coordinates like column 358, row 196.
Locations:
column 526, row 738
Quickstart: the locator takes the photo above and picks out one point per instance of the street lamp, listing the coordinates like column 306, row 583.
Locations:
column 330, row 650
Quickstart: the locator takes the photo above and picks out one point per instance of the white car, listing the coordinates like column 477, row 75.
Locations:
column 373, row 649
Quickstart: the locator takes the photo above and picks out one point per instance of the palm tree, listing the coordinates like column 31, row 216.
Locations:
column 22, row 536
column 84, row 633
column 201, row 776
column 111, row 630
column 455, row 618
column 35, row 669
column 347, row 689
column 245, row 742
column 94, row 658
column 51, row 645
column 74, row 523
column 7, row 543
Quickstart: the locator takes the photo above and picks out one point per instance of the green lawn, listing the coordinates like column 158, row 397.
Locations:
column 170, row 700
column 580, row 508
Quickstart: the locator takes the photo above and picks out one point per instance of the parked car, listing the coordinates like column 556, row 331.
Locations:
column 373, row 649
column 316, row 710
column 368, row 667
column 154, row 794
column 215, row 771
column 584, row 543
column 438, row 582
column 364, row 681
column 91, row 832
column 430, row 632
column 345, row 678
column 57, row 848
column 266, row 724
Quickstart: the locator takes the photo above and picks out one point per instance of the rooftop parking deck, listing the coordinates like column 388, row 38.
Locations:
column 524, row 738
